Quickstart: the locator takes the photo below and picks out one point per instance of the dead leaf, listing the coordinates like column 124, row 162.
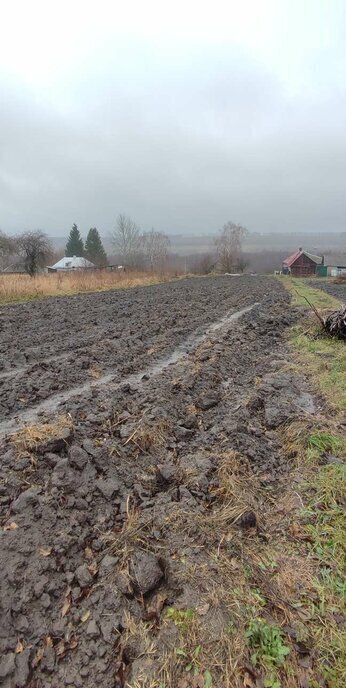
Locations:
column 73, row 643
column 93, row 568
column 67, row 604
column 248, row 681
column 45, row 552
column 19, row 647
column 297, row 532
column 155, row 607
column 10, row 526
column 38, row 657
column 95, row 372
column 49, row 641
column 85, row 616
column 60, row 649
column 88, row 553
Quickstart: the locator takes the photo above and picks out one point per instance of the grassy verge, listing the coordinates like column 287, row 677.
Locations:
column 324, row 360
column 18, row 288
column 321, row 358
column 301, row 291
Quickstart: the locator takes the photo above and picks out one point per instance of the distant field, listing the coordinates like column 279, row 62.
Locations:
column 24, row 288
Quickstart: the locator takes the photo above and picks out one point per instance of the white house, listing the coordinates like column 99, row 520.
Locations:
column 71, row 263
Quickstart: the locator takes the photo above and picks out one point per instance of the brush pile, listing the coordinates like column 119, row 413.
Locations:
column 335, row 323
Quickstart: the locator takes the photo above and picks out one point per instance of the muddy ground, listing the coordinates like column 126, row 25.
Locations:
column 104, row 519
column 50, row 346
column 332, row 288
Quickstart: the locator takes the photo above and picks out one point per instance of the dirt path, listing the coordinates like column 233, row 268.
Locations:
column 111, row 515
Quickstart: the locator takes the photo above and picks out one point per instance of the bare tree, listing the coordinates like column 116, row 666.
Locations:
column 243, row 263
column 229, row 245
column 8, row 250
column 36, row 249
column 126, row 239
column 155, row 246
column 204, row 264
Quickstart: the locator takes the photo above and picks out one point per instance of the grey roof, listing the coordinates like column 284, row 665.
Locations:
column 335, row 261
column 71, row 262
column 316, row 259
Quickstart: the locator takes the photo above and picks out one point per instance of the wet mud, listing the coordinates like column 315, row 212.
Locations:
column 89, row 535
column 53, row 345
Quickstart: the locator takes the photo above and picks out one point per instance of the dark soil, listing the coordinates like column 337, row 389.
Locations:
column 52, row 345
column 97, row 508
column 336, row 290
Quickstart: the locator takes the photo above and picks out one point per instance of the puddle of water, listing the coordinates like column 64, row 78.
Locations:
column 51, row 404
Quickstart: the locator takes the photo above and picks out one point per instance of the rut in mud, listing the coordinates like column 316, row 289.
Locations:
column 62, row 398
column 48, row 347
column 104, row 522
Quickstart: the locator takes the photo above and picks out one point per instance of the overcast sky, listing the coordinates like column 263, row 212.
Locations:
column 182, row 114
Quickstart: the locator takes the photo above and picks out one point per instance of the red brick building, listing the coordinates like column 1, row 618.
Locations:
column 301, row 264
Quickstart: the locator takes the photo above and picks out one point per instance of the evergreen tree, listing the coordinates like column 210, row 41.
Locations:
column 74, row 246
column 94, row 250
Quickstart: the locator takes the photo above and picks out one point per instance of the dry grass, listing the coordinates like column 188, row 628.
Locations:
column 32, row 436
column 147, row 436
column 23, row 288
column 134, row 533
column 237, row 490
column 324, row 360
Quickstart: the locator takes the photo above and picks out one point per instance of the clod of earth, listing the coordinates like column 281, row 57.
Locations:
column 108, row 488
column 26, row 499
column 57, row 443
column 146, row 571
column 83, row 576
column 208, row 401
column 78, row 457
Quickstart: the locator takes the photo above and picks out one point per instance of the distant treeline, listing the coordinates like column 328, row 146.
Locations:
column 143, row 250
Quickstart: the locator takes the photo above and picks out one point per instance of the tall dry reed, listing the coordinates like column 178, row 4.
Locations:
column 23, row 287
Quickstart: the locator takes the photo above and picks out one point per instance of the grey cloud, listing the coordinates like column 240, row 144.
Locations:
column 181, row 145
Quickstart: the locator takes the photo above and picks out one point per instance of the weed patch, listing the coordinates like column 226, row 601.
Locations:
column 267, row 643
